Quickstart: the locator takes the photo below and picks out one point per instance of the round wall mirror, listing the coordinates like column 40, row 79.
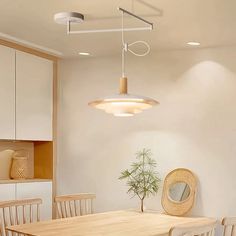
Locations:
column 179, row 192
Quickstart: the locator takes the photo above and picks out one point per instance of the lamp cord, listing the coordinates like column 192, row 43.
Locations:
column 126, row 47
column 123, row 46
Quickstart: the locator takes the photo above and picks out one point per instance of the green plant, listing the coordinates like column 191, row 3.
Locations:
column 142, row 179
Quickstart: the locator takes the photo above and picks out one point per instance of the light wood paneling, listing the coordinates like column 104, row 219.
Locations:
column 13, row 181
column 43, row 160
column 54, row 156
column 27, row 50
column 125, row 223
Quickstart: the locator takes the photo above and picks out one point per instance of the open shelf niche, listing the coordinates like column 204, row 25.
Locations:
column 40, row 160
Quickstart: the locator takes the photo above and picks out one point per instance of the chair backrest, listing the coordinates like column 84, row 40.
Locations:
column 229, row 224
column 19, row 212
column 75, row 205
column 204, row 229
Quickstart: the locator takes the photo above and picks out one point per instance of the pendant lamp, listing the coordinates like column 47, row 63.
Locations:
column 125, row 104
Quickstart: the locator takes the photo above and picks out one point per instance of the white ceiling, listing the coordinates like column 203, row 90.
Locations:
column 211, row 22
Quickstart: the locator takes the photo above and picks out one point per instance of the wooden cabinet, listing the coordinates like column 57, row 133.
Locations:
column 34, row 97
column 7, row 92
column 41, row 190
column 17, row 191
column 26, row 96
column 27, row 77
column 7, row 192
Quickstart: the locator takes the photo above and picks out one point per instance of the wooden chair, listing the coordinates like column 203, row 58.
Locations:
column 194, row 230
column 18, row 212
column 75, row 205
column 229, row 224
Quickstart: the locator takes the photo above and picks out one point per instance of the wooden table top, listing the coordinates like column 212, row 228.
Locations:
column 115, row 223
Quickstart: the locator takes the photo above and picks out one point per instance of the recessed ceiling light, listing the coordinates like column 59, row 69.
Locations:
column 84, row 53
column 193, row 43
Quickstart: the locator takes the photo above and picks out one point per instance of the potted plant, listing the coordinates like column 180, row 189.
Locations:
column 142, row 178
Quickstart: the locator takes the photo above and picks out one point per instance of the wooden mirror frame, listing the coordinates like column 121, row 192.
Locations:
column 182, row 208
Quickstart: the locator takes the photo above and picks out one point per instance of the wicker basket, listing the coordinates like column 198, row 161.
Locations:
column 19, row 168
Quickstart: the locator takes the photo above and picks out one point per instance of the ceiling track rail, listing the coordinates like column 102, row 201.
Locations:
column 148, row 27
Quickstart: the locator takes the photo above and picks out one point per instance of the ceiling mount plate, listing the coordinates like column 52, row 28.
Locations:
column 65, row 17
column 69, row 18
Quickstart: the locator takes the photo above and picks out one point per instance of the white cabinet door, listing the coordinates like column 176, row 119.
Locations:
column 7, row 93
column 34, row 97
column 41, row 190
column 7, row 192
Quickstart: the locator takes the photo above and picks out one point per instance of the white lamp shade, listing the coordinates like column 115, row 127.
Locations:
column 124, row 105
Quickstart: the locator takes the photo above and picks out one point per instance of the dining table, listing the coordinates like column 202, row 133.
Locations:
column 113, row 223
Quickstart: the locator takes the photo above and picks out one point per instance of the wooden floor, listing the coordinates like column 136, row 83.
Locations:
column 116, row 223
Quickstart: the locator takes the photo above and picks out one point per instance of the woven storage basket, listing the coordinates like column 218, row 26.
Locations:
column 19, row 168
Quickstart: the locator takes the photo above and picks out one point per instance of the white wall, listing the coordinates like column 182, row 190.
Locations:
column 194, row 126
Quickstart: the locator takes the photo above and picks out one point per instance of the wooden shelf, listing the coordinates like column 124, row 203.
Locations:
column 13, row 181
